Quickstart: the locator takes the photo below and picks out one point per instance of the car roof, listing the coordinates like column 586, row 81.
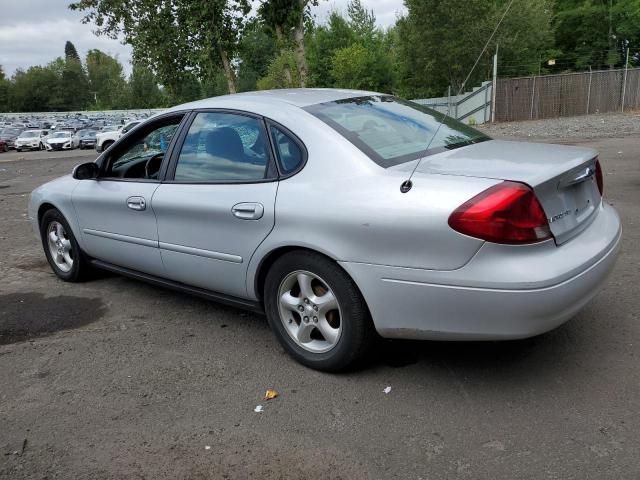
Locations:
column 299, row 97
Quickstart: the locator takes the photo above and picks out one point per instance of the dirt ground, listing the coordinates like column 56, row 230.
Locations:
column 117, row 379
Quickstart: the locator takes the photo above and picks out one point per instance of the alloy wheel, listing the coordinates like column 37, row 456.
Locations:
column 60, row 246
column 309, row 311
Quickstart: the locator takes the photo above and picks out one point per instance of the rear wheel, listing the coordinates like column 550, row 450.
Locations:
column 61, row 248
column 106, row 145
column 317, row 311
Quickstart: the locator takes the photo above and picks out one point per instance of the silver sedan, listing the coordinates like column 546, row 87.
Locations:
column 340, row 214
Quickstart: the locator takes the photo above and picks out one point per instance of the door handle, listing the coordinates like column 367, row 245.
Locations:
column 136, row 203
column 248, row 211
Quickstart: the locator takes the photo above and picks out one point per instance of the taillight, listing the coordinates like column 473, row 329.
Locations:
column 599, row 179
column 505, row 213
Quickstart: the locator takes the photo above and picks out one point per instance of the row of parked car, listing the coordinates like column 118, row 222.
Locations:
column 62, row 136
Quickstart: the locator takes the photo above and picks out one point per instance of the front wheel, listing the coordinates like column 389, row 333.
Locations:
column 61, row 248
column 317, row 312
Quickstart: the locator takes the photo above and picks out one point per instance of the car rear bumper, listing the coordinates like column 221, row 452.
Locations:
column 503, row 292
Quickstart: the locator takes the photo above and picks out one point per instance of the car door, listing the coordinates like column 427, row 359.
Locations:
column 117, row 222
column 217, row 203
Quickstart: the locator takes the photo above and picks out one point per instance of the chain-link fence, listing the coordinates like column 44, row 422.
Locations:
column 550, row 96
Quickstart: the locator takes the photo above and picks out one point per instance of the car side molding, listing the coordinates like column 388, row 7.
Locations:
column 251, row 305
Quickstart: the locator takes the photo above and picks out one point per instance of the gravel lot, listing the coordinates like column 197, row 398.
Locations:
column 126, row 380
column 571, row 129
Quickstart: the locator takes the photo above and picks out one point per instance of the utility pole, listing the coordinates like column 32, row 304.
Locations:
column 624, row 82
column 494, row 86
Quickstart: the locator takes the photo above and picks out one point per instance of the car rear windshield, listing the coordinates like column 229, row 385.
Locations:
column 392, row 131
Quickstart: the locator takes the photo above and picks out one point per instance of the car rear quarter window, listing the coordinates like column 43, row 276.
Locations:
column 223, row 147
column 290, row 155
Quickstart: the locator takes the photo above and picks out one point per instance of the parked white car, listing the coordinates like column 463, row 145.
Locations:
column 62, row 140
column 32, row 140
column 105, row 139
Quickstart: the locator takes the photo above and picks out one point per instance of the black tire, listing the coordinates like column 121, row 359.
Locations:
column 80, row 268
column 357, row 331
column 107, row 144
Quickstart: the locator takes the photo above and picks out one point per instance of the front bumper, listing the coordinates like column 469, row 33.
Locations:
column 503, row 292
column 25, row 146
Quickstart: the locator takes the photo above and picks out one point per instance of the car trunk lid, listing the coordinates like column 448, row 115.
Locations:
column 562, row 177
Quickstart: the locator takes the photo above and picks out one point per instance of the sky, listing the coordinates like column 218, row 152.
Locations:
column 33, row 32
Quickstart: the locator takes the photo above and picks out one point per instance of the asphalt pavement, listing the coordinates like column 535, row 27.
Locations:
column 114, row 378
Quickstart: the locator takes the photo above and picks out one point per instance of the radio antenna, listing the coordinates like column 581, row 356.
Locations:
column 407, row 184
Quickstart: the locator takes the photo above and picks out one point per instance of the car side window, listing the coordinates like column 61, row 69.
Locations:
column 289, row 154
column 142, row 155
column 223, row 147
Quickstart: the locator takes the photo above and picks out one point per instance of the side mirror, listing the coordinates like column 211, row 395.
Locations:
column 86, row 171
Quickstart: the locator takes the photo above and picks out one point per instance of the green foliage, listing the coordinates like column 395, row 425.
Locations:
column 107, row 85
column 281, row 73
column 596, row 33
column 143, row 90
column 177, row 38
column 196, row 48
column 70, row 51
column 256, row 50
column 361, row 68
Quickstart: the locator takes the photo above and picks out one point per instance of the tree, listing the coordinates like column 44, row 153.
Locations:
column 323, row 42
column 70, row 51
column 175, row 38
column 107, row 84
column 35, row 90
column 4, row 91
column 596, row 33
column 256, row 51
column 440, row 40
column 143, row 89
column 287, row 20
column 75, row 86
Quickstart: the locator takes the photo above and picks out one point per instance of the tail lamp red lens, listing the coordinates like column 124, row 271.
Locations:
column 599, row 179
column 508, row 212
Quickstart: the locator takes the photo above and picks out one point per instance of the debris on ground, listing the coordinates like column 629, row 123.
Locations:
column 387, row 390
column 258, row 409
column 270, row 394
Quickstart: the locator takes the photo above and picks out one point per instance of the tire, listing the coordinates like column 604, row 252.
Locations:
column 74, row 271
column 107, row 144
column 300, row 325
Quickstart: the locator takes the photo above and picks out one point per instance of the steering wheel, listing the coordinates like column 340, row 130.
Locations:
column 152, row 166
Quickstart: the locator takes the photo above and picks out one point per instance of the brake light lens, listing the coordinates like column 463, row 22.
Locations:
column 599, row 178
column 506, row 213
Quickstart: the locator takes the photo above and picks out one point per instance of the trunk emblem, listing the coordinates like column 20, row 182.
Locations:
column 557, row 217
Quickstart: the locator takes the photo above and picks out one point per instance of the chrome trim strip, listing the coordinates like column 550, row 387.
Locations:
column 122, row 238
column 200, row 252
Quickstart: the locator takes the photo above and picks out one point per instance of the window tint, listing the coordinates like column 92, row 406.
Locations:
column 131, row 160
column 393, row 131
column 222, row 147
column 289, row 153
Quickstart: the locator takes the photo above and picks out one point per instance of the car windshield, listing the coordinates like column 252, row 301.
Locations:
column 10, row 131
column 109, row 128
column 30, row 134
column 86, row 133
column 61, row 135
column 392, row 131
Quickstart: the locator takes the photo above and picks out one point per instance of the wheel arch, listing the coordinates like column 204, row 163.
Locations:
column 43, row 208
column 273, row 255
